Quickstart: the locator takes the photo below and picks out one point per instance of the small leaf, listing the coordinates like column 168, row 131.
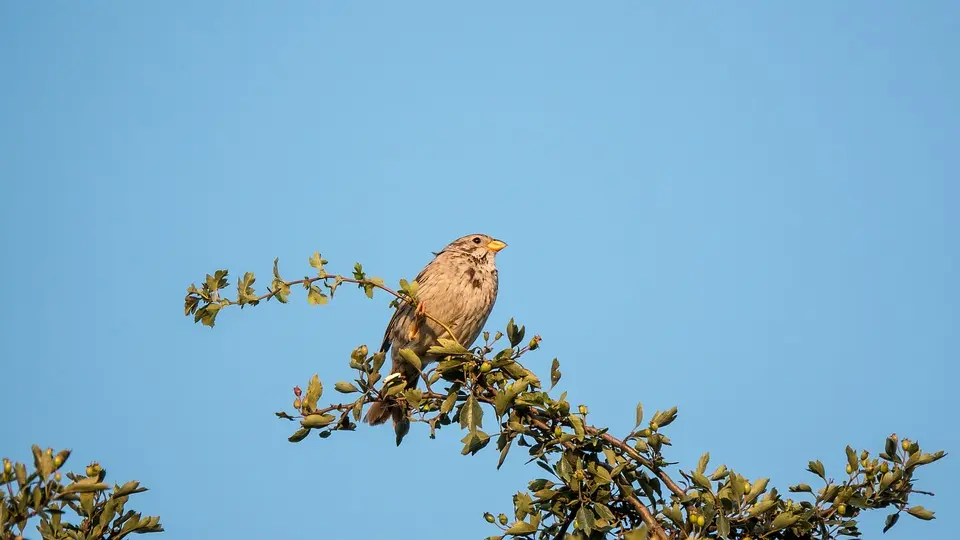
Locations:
column 816, row 467
column 502, row 402
column 86, row 485
column 666, row 417
column 783, row 521
column 314, row 391
column 920, row 512
column 604, row 512
column 316, row 420
column 317, row 262
column 345, row 387
column 891, row 521
column 449, row 402
column 520, row 528
column 723, row 526
column 701, row 480
column 702, row 464
column 555, row 373
column 446, row 347
column 852, row 457
column 471, row 415
column 586, row 520
column 603, row 475
column 413, row 397
column 761, row 507
column 758, row 487
column 317, row 298
column 411, row 358
column 577, row 424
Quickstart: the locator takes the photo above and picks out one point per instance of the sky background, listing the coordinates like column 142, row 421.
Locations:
column 746, row 209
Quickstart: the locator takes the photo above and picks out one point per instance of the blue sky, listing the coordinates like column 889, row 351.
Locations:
column 744, row 209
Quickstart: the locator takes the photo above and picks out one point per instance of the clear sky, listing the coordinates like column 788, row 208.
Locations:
column 746, row 209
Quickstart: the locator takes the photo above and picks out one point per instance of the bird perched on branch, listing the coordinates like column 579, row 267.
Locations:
column 458, row 287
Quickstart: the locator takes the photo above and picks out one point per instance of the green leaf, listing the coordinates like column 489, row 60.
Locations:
column 411, row 358
column 314, row 392
column 720, row 473
column 357, row 408
column 701, row 480
column 555, row 373
column 378, row 360
column 887, row 479
column 702, row 464
column 783, row 521
column 474, row 442
column 723, row 526
column 673, row 512
column 666, row 417
column 586, row 520
column 471, row 415
column 345, row 387
column 502, row 402
column 801, row 488
column 604, row 512
column 520, row 528
column 129, row 488
column 639, row 415
column 761, row 507
column 890, row 448
column 577, row 424
column 758, row 487
column 449, row 402
column 446, row 346
column 504, row 451
column 816, row 467
column 514, row 334
column 317, row 262
column 316, row 420
column 316, row 298
column 636, row 534
column 85, row 485
column 920, row 512
column 603, row 475
column 852, row 458
column 891, row 521
column 413, row 397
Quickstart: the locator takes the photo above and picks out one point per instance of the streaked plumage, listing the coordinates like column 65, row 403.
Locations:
column 458, row 287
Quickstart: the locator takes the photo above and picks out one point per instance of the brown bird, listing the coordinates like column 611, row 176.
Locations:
column 459, row 288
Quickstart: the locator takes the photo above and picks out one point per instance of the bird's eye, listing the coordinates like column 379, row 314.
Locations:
column 476, row 239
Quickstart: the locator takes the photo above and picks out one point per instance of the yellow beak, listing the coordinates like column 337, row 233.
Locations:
column 496, row 245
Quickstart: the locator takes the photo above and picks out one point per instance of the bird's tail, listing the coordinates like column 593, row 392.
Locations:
column 380, row 412
column 383, row 410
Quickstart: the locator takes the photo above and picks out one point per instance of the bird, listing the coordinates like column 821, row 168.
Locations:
column 458, row 287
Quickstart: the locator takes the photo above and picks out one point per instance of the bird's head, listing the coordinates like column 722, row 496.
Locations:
column 480, row 246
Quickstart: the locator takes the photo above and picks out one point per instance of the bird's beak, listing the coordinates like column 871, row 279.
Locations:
column 496, row 245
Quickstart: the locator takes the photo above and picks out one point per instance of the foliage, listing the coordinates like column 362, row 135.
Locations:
column 43, row 493
column 596, row 485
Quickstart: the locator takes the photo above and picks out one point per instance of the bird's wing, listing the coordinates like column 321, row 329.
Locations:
column 402, row 312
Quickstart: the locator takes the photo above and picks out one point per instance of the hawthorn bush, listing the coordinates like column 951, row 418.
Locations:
column 595, row 485
column 53, row 496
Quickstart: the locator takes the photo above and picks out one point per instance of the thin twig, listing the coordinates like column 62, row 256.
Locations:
column 402, row 298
